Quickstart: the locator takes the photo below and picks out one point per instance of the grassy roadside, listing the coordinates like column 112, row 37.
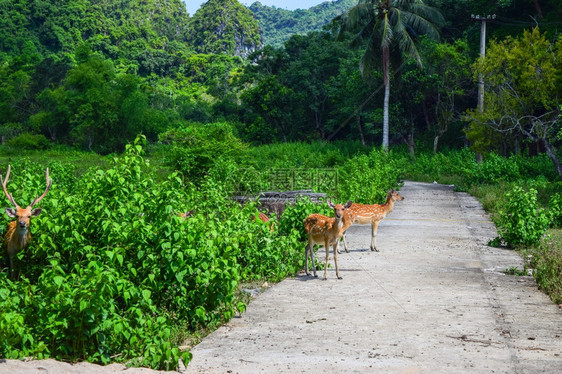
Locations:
column 546, row 260
column 545, row 257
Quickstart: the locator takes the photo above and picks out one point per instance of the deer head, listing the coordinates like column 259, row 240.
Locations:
column 23, row 215
column 339, row 208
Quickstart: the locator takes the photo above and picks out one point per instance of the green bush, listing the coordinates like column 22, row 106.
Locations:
column 112, row 270
column 367, row 178
column 197, row 148
column 292, row 219
column 29, row 141
column 547, row 264
column 555, row 209
column 522, row 222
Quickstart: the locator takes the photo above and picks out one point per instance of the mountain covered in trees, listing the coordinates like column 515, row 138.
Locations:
column 278, row 25
column 93, row 74
column 221, row 26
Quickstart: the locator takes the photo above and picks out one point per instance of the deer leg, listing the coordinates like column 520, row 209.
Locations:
column 306, row 259
column 312, row 259
column 327, row 246
column 344, row 244
column 309, row 250
column 336, row 259
column 374, row 227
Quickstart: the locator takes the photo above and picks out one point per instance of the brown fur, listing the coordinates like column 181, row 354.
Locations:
column 18, row 235
column 373, row 214
column 325, row 230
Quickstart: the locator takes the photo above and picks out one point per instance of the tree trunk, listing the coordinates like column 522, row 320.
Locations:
column 538, row 8
column 436, row 143
column 411, row 144
column 386, row 76
column 360, row 130
column 552, row 155
column 318, row 123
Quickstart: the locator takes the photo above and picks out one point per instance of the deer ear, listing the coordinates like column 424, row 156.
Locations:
column 36, row 212
column 330, row 204
column 11, row 212
column 348, row 204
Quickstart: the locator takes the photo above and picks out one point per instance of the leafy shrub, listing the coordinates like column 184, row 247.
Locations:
column 196, row 148
column 111, row 269
column 367, row 178
column 29, row 141
column 555, row 209
column 522, row 222
column 547, row 264
column 292, row 219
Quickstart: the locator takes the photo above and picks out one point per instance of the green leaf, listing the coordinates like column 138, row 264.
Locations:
column 146, row 295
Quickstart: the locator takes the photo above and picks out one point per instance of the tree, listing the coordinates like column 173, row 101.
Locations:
column 523, row 77
column 449, row 70
column 225, row 26
column 390, row 27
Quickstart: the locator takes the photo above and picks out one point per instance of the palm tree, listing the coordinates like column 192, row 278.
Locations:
column 387, row 24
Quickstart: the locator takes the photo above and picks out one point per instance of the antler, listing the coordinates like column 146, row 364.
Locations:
column 4, row 183
column 38, row 199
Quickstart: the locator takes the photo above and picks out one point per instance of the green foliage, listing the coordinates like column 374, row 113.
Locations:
column 546, row 260
column 522, row 222
column 294, row 215
column 523, row 92
column 278, row 24
column 224, row 26
column 492, row 170
column 555, row 209
column 28, row 141
column 196, row 149
column 367, row 178
column 112, row 270
column 514, row 270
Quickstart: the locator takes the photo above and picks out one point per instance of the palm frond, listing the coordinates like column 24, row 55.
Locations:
column 370, row 59
column 387, row 32
column 421, row 25
column 403, row 37
column 427, row 12
column 355, row 18
column 358, row 14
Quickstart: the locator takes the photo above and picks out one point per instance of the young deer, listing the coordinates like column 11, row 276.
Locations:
column 18, row 235
column 265, row 219
column 185, row 214
column 373, row 214
column 325, row 230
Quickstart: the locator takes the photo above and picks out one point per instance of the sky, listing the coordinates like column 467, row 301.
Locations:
column 193, row 5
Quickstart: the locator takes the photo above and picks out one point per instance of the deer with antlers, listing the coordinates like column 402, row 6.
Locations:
column 18, row 235
column 325, row 230
column 373, row 214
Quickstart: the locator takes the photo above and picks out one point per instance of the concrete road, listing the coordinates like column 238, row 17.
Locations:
column 433, row 300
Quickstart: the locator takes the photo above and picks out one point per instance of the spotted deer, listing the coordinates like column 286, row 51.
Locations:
column 18, row 235
column 373, row 214
column 327, row 231
column 265, row 219
column 185, row 214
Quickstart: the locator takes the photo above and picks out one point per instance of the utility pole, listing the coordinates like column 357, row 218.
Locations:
column 482, row 20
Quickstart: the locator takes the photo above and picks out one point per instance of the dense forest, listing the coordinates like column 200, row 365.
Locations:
column 141, row 113
column 278, row 25
column 94, row 74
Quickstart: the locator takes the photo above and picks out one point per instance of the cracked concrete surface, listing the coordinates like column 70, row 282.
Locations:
column 433, row 300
